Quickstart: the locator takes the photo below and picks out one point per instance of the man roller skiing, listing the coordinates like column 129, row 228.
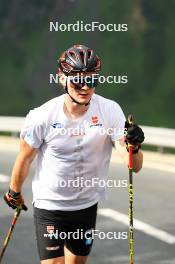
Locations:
column 66, row 153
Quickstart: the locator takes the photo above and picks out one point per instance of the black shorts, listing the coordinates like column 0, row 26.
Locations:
column 72, row 229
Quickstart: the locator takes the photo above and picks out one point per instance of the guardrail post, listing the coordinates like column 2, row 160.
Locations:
column 160, row 149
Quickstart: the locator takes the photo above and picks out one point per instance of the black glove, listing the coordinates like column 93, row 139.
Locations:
column 134, row 136
column 15, row 200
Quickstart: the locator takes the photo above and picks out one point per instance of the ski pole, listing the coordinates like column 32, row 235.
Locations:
column 6, row 241
column 131, row 199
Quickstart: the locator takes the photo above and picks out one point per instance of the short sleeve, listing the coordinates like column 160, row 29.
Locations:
column 33, row 130
column 117, row 122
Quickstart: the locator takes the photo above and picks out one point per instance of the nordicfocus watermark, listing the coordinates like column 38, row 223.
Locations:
column 81, row 182
column 87, row 127
column 110, row 79
column 80, row 26
column 87, row 235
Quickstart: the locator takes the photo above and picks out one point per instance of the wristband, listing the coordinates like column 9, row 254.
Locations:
column 13, row 193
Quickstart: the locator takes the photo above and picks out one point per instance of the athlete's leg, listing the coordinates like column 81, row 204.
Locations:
column 79, row 240
column 50, row 245
column 70, row 258
column 59, row 260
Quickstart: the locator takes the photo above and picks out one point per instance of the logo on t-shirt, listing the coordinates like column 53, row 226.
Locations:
column 95, row 121
column 57, row 125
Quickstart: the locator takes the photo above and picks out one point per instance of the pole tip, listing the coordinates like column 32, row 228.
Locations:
column 130, row 119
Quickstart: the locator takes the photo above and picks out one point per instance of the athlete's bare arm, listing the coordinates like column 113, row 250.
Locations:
column 22, row 165
column 120, row 147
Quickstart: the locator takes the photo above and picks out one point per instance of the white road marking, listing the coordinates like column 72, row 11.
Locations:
column 4, row 178
column 139, row 225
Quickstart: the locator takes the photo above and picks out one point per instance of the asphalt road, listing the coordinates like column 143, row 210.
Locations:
column 154, row 204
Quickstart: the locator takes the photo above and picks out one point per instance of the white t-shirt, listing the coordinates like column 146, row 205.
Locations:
column 73, row 153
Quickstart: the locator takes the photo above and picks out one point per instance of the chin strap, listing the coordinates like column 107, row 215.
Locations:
column 73, row 100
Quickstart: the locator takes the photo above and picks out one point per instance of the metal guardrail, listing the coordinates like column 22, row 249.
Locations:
column 154, row 136
column 11, row 124
column 160, row 137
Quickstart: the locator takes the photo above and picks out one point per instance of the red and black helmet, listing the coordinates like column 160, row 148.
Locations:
column 79, row 58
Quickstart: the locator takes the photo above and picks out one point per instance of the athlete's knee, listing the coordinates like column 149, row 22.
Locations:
column 59, row 260
column 70, row 258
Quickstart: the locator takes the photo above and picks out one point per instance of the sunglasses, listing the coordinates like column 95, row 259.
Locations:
column 80, row 81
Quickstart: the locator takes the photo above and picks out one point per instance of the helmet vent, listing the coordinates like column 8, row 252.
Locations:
column 72, row 54
column 89, row 53
column 82, row 55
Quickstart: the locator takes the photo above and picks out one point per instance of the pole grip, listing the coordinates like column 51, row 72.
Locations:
column 130, row 121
